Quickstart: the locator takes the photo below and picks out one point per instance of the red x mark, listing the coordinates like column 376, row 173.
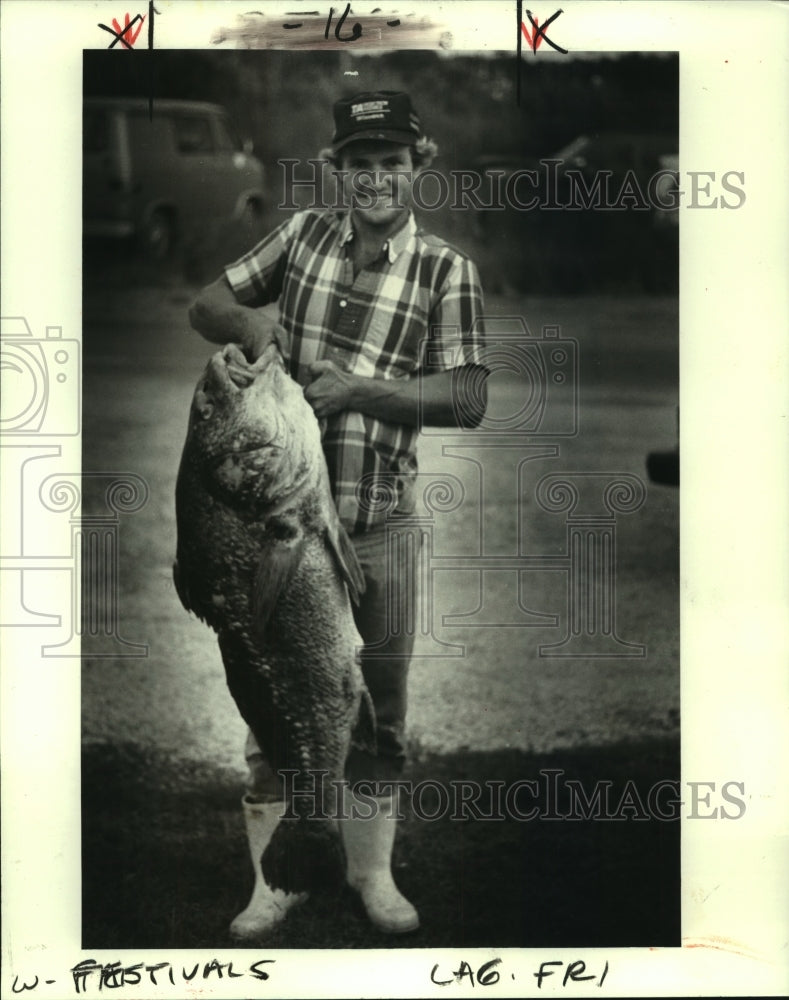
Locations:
column 124, row 34
column 537, row 35
column 534, row 38
column 128, row 37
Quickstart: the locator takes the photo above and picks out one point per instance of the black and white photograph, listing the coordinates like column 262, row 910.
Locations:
column 512, row 571
column 377, row 583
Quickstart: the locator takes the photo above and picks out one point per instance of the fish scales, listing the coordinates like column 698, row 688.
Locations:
column 263, row 560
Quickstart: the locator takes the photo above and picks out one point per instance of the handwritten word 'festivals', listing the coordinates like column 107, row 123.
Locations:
column 113, row 975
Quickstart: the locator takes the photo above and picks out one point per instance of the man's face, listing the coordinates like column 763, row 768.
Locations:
column 380, row 176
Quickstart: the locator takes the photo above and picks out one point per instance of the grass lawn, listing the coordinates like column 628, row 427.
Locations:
column 165, row 860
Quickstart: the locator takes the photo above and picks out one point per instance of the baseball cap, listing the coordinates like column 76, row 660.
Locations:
column 380, row 114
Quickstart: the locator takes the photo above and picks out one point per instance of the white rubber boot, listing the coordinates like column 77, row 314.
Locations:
column 368, row 850
column 267, row 907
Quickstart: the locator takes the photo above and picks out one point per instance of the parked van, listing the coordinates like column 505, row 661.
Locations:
column 167, row 179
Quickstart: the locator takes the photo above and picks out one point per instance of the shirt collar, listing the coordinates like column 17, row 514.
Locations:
column 397, row 243
column 346, row 229
column 393, row 246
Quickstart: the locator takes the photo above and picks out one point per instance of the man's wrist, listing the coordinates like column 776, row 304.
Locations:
column 256, row 336
column 358, row 391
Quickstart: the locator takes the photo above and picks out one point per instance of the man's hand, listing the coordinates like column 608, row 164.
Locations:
column 217, row 315
column 330, row 389
column 265, row 331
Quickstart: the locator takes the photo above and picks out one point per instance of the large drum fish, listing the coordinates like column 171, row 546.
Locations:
column 263, row 559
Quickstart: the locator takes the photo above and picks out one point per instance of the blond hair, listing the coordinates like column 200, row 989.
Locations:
column 422, row 153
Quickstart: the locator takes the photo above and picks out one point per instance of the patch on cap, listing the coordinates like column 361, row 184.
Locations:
column 385, row 114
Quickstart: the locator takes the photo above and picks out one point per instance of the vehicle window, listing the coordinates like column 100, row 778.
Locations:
column 147, row 136
column 193, row 134
column 95, row 130
column 227, row 141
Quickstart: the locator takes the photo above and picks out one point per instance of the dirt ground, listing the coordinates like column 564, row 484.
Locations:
column 162, row 740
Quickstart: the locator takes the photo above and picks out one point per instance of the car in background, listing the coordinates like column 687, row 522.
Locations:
column 166, row 179
column 649, row 161
column 618, row 151
column 600, row 214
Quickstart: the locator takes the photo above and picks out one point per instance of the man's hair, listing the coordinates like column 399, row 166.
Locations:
column 422, row 153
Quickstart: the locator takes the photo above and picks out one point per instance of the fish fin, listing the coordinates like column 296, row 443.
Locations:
column 282, row 553
column 188, row 599
column 364, row 736
column 303, row 854
column 347, row 561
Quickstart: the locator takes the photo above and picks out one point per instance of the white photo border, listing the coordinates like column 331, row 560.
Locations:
column 734, row 320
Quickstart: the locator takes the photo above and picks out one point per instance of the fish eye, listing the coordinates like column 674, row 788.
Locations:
column 205, row 411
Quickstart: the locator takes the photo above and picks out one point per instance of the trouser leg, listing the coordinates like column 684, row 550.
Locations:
column 385, row 619
column 262, row 782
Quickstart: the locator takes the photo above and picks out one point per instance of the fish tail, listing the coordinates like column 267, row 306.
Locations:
column 303, row 855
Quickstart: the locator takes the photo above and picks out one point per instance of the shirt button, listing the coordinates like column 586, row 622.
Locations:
column 343, row 303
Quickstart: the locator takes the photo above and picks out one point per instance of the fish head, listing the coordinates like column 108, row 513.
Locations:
column 251, row 432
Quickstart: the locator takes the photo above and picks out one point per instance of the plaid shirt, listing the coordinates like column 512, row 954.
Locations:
column 416, row 309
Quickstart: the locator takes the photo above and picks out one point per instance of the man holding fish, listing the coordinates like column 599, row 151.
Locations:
column 380, row 323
